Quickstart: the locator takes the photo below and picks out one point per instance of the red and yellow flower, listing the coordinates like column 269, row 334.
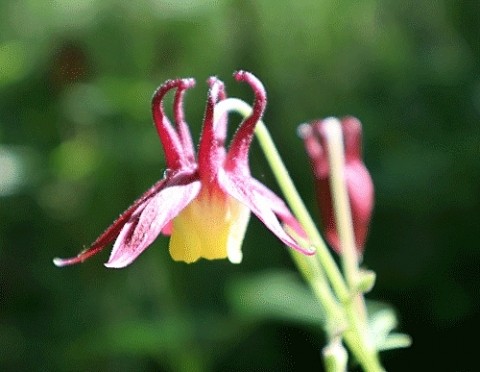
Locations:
column 204, row 200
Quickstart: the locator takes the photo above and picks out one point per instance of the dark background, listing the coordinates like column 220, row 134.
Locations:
column 77, row 146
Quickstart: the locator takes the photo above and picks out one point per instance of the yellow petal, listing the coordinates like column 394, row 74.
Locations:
column 212, row 226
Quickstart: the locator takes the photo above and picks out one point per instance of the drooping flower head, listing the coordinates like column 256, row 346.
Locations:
column 357, row 178
column 205, row 199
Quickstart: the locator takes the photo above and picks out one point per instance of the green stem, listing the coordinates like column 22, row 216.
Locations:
column 309, row 267
column 356, row 308
column 291, row 195
column 343, row 215
column 341, row 205
column 315, row 269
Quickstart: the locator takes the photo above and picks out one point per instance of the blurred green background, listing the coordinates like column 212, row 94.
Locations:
column 77, row 147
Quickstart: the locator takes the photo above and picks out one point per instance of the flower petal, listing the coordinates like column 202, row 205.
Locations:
column 112, row 231
column 210, row 154
column 310, row 133
column 361, row 195
column 220, row 126
column 237, row 157
column 182, row 127
column 175, row 156
column 212, row 226
column 352, row 137
column 158, row 211
column 279, row 207
column 245, row 191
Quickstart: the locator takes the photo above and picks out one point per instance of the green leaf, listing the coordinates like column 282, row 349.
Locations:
column 366, row 281
column 381, row 322
column 275, row 295
column 395, row 341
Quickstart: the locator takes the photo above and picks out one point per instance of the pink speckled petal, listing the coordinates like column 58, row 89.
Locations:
column 279, row 207
column 112, row 231
column 246, row 192
column 136, row 236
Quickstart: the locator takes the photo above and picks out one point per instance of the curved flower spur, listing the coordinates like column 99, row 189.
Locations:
column 203, row 203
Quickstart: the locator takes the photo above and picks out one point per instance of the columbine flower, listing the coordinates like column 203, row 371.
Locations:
column 358, row 180
column 203, row 202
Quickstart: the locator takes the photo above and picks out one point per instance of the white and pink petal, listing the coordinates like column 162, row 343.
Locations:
column 136, row 236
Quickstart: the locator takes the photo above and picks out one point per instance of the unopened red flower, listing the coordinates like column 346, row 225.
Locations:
column 205, row 199
column 357, row 178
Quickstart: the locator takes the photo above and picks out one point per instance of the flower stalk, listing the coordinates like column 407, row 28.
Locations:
column 341, row 205
column 356, row 308
column 337, row 295
column 292, row 196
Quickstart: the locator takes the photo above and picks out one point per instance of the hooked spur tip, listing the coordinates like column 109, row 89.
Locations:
column 212, row 80
column 170, row 84
column 256, row 85
column 240, row 75
column 186, row 83
column 214, row 90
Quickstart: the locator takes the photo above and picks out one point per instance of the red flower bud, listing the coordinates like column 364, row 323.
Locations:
column 357, row 178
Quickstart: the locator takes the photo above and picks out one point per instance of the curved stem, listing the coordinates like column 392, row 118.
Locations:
column 356, row 308
column 341, row 205
column 322, row 266
column 291, row 195
column 310, row 267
